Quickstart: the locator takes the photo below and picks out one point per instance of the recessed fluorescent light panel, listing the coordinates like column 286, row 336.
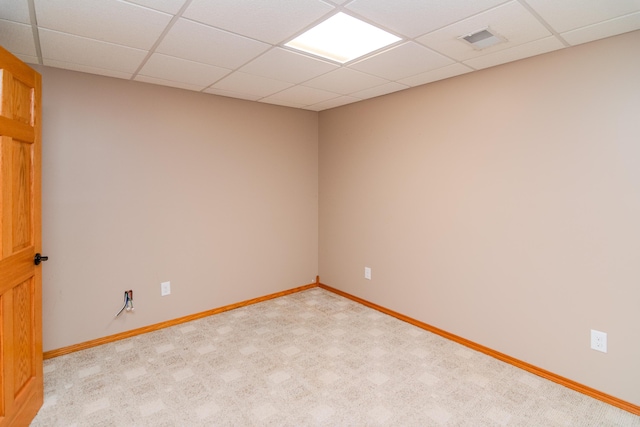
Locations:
column 342, row 38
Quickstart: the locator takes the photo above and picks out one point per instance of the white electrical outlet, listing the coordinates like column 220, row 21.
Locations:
column 599, row 341
column 165, row 288
column 367, row 273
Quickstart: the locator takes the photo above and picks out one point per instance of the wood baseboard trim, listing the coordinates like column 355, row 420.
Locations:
column 591, row 392
column 157, row 326
column 596, row 394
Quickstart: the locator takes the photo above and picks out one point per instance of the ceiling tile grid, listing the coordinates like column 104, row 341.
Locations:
column 165, row 82
column 568, row 15
column 18, row 38
column 437, row 74
column 235, row 48
column 600, row 30
column 231, row 94
column 15, row 10
column 110, row 21
column 417, row 17
column 510, row 21
column 402, row 61
column 303, row 95
column 72, row 49
column 345, row 81
column 196, row 42
column 283, row 64
column 168, row 6
column 248, row 84
column 270, row 21
column 182, row 70
column 526, row 50
column 384, row 89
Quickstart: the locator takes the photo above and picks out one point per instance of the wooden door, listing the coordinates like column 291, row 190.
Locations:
column 21, row 379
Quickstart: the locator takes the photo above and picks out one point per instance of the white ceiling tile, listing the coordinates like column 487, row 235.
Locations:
column 251, row 84
column 169, row 6
column 17, row 38
column 515, row 53
column 181, row 70
column 332, row 103
column 402, row 61
column 15, row 10
column 111, row 21
column 28, row 59
column 415, row 17
column 208, row 45
column 380, row 90
column 281, row 64
column 164, row 82
column 604, row 29
column 230, row 94
column 568, row 15
column 345, row 81
column 435, row 75
column 282, row 103
column 232, row 47
column 511, row 21
column 86, row 69
column 303, row 95
column 269, row 21
column 71, row 49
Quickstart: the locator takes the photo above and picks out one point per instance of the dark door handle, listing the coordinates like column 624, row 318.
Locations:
column 39, row 258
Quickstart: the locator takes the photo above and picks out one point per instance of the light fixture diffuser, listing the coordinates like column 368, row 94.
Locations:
column 342, row 38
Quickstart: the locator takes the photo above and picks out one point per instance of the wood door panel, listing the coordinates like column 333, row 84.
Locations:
column 18, row 268
column 6, row 212
column 23, row 360
column 22, row 105
column 22, row 195
column 18, row 102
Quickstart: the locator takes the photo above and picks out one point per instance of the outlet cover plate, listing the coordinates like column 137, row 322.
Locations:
column 367, row 273
column 599, row 341
column 165, row 288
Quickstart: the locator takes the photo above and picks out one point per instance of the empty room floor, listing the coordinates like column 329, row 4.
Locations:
column 308, row 358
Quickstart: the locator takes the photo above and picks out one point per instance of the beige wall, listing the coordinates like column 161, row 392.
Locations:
column 502, row 206
column 144, row 184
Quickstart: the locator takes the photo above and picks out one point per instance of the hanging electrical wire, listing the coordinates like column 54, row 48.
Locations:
column 128, row 302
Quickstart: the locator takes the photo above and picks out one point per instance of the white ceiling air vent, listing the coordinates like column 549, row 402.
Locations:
column 482, row 39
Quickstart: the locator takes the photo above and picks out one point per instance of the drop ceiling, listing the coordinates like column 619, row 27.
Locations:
column 235, row 48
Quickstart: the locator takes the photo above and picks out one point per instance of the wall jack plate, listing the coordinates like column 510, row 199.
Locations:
column 599, row 341
column 165, row 288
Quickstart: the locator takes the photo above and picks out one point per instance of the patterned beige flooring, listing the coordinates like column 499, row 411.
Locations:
column 310, row 358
